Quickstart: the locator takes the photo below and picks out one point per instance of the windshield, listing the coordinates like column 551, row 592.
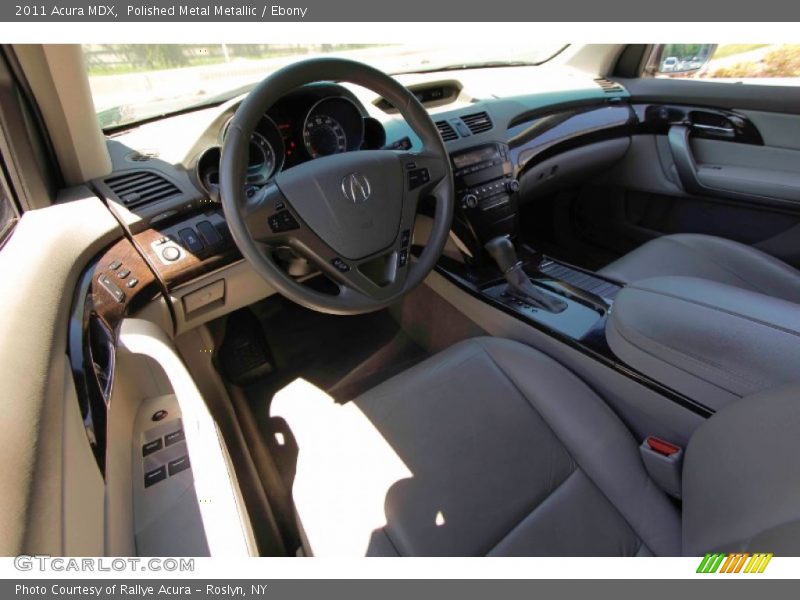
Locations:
column 132, row 83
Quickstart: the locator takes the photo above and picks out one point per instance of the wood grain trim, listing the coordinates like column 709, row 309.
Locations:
column 187, row 268
column 101, row 301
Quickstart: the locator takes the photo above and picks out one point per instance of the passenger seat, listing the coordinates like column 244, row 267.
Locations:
column 708, row 257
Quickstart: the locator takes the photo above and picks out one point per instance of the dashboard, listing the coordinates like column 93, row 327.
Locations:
column 506, row 152
column 316, row 121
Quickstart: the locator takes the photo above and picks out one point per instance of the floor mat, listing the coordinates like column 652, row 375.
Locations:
column 343, row 355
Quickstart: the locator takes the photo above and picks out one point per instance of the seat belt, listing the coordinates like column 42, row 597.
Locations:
column 664, row 463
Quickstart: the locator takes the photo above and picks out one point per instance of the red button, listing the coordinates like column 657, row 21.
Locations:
column 662, row 447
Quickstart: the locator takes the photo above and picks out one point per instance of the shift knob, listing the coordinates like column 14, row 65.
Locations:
column 502, row 250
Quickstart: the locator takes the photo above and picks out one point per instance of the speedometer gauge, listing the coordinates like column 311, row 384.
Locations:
column 323, row 135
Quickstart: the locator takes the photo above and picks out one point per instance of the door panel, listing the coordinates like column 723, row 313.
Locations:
column 763, row 98
column 778, row 130
column 694, row 176
column 51, row 472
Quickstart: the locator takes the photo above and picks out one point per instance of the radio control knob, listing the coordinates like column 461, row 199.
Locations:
column 469, row 201
column 512, row 186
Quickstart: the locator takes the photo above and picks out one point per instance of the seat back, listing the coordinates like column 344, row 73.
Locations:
column 741, row 478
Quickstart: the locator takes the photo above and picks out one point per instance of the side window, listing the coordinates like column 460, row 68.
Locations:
column 8, row 212
column 765, row 64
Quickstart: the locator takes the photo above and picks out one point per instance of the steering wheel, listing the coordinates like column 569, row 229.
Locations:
column 351, row 214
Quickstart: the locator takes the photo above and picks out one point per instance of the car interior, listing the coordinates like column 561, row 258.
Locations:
column 503, row 310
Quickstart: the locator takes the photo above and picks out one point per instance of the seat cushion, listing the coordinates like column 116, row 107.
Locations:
column 708, row 257
column 488, row 448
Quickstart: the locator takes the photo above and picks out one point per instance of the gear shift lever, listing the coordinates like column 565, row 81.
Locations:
column 502, row 250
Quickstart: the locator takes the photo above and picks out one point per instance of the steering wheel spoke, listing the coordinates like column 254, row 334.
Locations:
column 425, row 170
column 268, row 216
column 378, row 277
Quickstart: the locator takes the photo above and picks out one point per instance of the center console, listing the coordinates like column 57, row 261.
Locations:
column 709, row 340
column 486, row 190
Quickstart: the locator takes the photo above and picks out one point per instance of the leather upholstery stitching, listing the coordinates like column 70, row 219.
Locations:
column 704, row 255
column 533, row 509
column 385, row 531
column 707, row 252
column 701, row 363
column 638, row 288
column 578, row 467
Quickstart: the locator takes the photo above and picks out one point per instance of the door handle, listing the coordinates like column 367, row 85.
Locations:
column 685, row 164
column 715, row 129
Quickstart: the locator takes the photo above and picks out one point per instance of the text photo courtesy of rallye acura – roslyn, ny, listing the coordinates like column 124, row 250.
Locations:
column 139, row 590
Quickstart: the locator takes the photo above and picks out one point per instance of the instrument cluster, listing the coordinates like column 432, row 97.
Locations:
column 302, row 126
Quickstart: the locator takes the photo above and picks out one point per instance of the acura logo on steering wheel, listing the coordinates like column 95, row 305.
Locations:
column 355, row 188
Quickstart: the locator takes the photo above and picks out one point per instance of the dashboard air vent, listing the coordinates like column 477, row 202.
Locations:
column 478, row 122
column 446, row 130
column 137, row 188
column 609, row 87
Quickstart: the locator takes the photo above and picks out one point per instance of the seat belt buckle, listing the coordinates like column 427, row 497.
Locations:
column 664, row 463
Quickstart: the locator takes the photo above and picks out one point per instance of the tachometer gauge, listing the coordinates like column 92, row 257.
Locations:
column 323, row 135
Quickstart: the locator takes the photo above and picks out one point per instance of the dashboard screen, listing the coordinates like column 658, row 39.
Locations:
column 475, row 156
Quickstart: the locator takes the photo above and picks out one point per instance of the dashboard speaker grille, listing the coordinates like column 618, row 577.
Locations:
column 143, row 156
column 137, row 188
column 478, row 122
column 446, row 131
column 609, row 87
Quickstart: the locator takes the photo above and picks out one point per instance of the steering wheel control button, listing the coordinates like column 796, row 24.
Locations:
column 112, row 288
column 174, row 437
column 190, row 240
column 123, row 274
column 282, row 221
column 150, row 447
column 132, row 282
column 171, row 253
column 159, row 415
column 178, row 465
column 405, row 238
column 154, row 476
column 402, row 258
column 418, row 177
column 209, row 233
column 115, row 265
column 340, row 264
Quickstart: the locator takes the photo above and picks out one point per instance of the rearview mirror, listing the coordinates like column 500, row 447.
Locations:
column 680, row 59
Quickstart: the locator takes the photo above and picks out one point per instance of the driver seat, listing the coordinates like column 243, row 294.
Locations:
column 493, row 448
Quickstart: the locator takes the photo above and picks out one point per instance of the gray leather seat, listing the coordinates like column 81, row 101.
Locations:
column 708, row 257
column 493, row 448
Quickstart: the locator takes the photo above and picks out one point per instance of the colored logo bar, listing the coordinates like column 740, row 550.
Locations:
column 734, row 563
